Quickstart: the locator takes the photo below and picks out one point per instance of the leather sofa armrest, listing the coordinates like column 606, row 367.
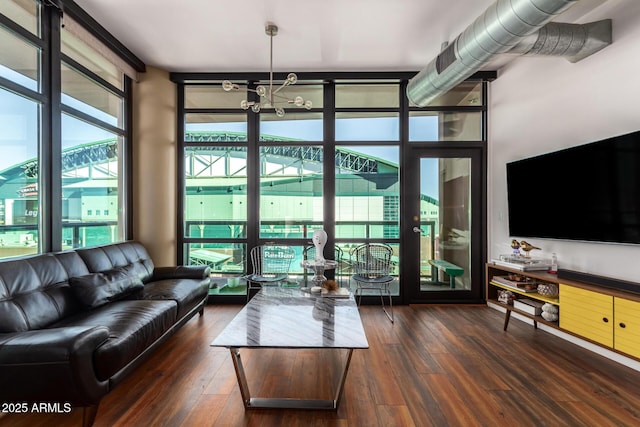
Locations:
column 181, row 272
column 52, row 365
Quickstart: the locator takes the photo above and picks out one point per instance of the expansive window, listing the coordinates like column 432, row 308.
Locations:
column 21, row 102
column 214, row 204
column 367, row 195
column 93, row 143
column 64, row 132
column 252, row 177
column 19, row 201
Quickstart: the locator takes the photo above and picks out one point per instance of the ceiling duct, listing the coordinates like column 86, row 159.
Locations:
column 502, row 26
column 572, row 41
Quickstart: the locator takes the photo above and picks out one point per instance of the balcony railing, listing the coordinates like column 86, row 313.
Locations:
column 22, row 239
column 345, row 230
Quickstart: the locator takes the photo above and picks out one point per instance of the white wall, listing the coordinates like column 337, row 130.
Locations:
column 541, row 104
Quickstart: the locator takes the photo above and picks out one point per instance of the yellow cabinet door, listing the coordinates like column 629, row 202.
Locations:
column 627, row 326
column 587, row 314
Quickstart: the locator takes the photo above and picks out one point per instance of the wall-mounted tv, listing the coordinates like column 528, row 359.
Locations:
column 589, row 192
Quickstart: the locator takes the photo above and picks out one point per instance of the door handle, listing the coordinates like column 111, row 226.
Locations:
column 417, row 230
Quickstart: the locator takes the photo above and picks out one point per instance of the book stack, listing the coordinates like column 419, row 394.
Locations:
column 520, row 283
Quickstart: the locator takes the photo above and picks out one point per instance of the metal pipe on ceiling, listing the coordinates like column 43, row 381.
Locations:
column 502, row 26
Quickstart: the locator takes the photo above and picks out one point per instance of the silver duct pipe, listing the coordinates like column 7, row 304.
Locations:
column 503, row 25
column 573, row 41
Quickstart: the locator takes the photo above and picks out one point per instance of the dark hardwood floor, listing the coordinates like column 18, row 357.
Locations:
column 436, row 366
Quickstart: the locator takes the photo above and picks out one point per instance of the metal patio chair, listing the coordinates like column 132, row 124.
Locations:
column 270, row 265
column 371, row 264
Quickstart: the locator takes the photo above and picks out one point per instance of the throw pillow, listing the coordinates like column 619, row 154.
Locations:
column 96, row 289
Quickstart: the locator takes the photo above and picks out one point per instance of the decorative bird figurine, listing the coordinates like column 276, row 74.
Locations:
column 515, row 245
column 527, row 247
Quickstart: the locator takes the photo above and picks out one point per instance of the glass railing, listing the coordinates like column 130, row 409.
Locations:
column 228, row 260
column 352, row 230
column 19, row 240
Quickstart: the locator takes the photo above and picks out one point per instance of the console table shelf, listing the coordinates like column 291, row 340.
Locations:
column 536, row 319
column 532, row 295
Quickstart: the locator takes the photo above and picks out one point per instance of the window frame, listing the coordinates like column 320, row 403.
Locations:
column 329, row 144
column 49, row 96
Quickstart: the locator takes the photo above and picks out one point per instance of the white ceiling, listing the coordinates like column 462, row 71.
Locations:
column 314, row 35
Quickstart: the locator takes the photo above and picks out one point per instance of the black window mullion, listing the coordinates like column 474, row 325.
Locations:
column 329, row 167
column 50, row 149
column 91, row 119
column 92, row 76
column 253, row 175
column 23, row 91
column 485, row 100
column 22, row 32
column 181, row 188
column 128, row 158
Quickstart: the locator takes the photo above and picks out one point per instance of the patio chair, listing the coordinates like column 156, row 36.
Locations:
column 269, row 266
column 371, row 263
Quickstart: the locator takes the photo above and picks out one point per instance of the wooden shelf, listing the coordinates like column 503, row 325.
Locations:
column 538, row 319
column 493, row 287
column 532, row 295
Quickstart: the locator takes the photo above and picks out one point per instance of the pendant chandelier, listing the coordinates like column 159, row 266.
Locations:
column 270, row 97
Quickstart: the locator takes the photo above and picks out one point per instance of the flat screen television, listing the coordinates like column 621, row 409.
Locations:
column 588, row 193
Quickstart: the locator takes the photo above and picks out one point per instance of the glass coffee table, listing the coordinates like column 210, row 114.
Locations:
column 293, row 319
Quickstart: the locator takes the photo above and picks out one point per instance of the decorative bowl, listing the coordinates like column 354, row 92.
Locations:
column 548, row 289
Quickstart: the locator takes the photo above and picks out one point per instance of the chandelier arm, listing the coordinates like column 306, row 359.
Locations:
column 282, row 86
column 271, row 67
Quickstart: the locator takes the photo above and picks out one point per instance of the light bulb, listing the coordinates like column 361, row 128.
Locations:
column 261, row 90
column 228, row 86
column 280, row 112
column 255, row 108
column 308, row 104
column 292, row 78
column 244, row 104
column 298, row 101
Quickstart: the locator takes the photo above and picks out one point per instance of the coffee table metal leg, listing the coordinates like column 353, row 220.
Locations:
column 343, row 378
column 285, row 403
column 242, row 379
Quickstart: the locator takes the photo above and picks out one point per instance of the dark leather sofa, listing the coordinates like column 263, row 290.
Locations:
column 74, row 324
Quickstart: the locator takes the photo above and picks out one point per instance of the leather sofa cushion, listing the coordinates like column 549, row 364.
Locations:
column 35, row 292
column 182, row 291
column 96, row 289
column 134, row 325
column 108, row 257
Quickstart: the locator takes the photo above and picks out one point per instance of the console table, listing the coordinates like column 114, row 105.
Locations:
column 604, row 315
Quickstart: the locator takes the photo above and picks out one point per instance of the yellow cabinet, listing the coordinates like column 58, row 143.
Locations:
column 586, row 313
column 627, row 326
